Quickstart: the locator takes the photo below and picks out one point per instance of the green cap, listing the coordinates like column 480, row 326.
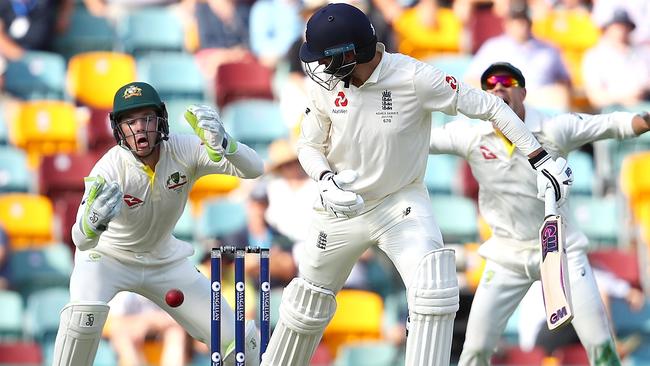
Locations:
column 135, row 95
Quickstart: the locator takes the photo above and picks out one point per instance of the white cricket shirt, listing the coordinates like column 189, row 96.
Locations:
column 153, row 202
column 507, row 183
column 381, row 129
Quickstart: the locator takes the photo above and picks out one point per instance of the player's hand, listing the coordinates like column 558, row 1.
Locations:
column 554, row 174
column 335, row 195
column 102, row 204
column 206, row 123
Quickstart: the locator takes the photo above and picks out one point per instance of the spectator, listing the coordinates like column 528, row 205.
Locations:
column 639, row 11
column 116, row 10
column 4, row 259
column 481, row 19
column 31, row 25
column 133, row 319
column 223, row 33
column 549, row 83
column 615, row 71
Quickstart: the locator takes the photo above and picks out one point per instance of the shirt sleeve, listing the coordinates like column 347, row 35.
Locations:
column 573, row 130
column 314, row 140
column 454, row 138
column 444, row 93
column 244, row 163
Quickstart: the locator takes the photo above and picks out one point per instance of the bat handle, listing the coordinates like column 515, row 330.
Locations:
column 550, row 207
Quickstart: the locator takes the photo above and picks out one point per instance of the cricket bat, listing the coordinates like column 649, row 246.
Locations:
column 554, row 267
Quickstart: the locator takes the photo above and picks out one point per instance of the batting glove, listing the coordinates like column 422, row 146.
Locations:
column 334, row 194
column 206, row 123
column 554, row 174
column 102, row 204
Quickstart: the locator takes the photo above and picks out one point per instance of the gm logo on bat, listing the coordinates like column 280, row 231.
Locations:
column 549, row 238
column 558, row 315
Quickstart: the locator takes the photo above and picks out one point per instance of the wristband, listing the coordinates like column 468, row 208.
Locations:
column 539, row 159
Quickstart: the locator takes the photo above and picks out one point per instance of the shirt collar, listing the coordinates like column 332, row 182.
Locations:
column 375, row 74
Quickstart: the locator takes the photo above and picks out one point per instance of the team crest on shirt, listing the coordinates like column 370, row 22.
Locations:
column 132, row 201
column 176, row 181
column 487, row 154
column 386, row 113
column 132, row 91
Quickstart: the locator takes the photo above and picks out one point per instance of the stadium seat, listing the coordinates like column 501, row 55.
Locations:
column 176, row 110
column 255, row 122
column 15, row 175
column 635, row 180
column 211, row 186
column 37, row 75
column 65, row 210
column 598, row 218
column 4, row 130
column 11, row 315
column 358, row 317
column 37, row 269
column 21, row 353
column 105, row 356
column 367, row 354
column 441, row 173
column 27, row 218
column 622, row 263
column 221, row 217
column 514, row 355
column 457, row 218
column 42, row 313
column 450, row 64
column 64, row 173
column 85, row 33
column 175, row 75
column 94, row 77
column 99, row 133
column 574, row 355
column 627, row 321
column 44, row 128
column 582, row 165
column 240, row 80
column 151, row 29
column 322, row 356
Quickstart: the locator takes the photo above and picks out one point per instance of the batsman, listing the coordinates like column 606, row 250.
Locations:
column 509, row 202
column 365, row 140
column 134, row 196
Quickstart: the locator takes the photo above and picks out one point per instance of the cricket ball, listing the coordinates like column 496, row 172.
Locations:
column 174, row 297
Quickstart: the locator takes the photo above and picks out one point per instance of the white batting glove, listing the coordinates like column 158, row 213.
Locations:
column 206, row 123
column 102, row 204
column 335, row 196
column 554, row 174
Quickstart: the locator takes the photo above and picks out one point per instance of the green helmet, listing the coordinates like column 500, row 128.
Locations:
column 137, row 95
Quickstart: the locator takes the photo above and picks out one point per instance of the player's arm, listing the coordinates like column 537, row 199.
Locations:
column 454, row 138
column 227, row 155
column 101, row 202
column 573, row 130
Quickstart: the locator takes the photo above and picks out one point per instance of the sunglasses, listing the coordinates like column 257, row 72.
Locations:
column 506, row 80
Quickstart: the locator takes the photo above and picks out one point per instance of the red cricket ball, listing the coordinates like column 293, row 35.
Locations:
column 174, row 297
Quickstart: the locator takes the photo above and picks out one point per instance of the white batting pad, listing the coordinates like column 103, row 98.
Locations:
column 252, row 347
column 433, row 302
column 305, row 311
column 80, row 329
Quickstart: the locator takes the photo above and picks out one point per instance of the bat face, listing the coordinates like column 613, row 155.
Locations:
column 554, row 273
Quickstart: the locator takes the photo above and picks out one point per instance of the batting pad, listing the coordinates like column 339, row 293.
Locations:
column 80, row 329
column 305, row 311
column 433, row 302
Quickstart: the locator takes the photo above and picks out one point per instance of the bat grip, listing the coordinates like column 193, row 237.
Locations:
column 550, row 207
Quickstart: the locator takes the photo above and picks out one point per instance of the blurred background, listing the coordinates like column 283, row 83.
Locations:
column 62, row 60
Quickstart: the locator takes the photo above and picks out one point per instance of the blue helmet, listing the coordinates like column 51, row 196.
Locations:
column 338, row 37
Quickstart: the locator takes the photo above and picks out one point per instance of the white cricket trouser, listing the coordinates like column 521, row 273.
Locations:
column 500, row 291
column 98, row 277
column 403, row 226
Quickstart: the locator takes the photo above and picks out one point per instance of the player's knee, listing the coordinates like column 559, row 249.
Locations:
column 306, row 308
column 434, row 287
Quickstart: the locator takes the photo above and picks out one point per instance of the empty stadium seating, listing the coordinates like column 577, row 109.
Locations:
column 368, row 354
column 85, row 33
column 37, row 75
column 15, row 175
column 28, row 219
column 239, row 80
column 175, row 75
column 457, row 218
column 221, row 217
column 151, row 29
column 21, row 353
column 11, row 315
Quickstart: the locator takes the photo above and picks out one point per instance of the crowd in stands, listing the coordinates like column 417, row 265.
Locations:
column 61, row 61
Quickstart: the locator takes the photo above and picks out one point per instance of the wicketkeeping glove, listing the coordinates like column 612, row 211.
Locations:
column 102, row 204
column 206, row 123
column 555, row 174
column 336, row 198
